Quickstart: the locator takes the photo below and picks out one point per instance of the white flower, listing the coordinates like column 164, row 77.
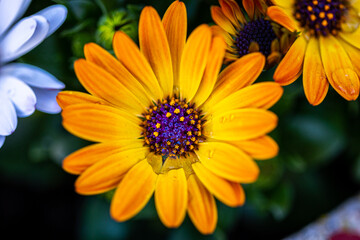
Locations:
column 23, row 87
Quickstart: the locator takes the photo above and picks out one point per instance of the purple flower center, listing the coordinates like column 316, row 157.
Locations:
column 172, row 127
column 259, row 31
column 320, row 17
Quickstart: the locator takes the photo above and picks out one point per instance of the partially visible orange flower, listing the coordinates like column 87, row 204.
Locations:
column 328, row 50
column 168, row 123
column 251, row 31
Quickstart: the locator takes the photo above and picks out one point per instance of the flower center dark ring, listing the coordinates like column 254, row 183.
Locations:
column 172, row 127
column 320, row 17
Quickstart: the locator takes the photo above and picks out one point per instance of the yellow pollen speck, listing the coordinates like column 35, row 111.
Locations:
column 309, row 8
column 191, row 147
column 324, row 23
column 155, row 108
column 158, row 125
column 341, row 6
column 193, row 139
column 315, row 2
column 176, row 111
column 198, row 126
column 186, row 106
column 168, row 115
column 147, row 117
column 196, row 116
column 168, row 143
column 322, row 15
column 156, row 134
column 172, row 102
column 182, row 119
column 312, row 17
column 187, row 143
column 192, row 122
column 147, row 141
column 189, row 133
column 330, row 16
column 177, row 146
column 298, row 16
column 199, row 134
column 327, row 7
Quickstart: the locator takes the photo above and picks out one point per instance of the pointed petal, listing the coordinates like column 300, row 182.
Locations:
column 8, row 119
column 79, row 161
column 249, row 7
column 100, row 123
column 290, row 68
column 10, row 11
column 221, row 20
column 23, row 37
column 66, row 98
column 175, row 25
column 171, row 197
column 260, row 95
column 228, row 162
column 155, row 47
column 46, row 100
column 230, row 193
column 213, row 65
column 315, row 82
column 106, row 174
column 338, row 68
column 354, row 55
column 133, row 192
column 352, row 37
column 229, row 11
column 193, row 61
column 201, row 207
column 102, row 84
column 20, row 94
column 55, row 16
column 240, row 124
column 237, row 75
column 130, row 56
column 278, row 15
column 260, row 148
column 2, row 140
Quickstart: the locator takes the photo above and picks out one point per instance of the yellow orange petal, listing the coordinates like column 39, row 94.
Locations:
column 237, row 11
column 281, row 17
column 100, row 123
column 260, row 95
column 193, row 61
column 229, row 12
column 338, row 68
column 228, row 162
column 175, row 25
column 230, row 193
column 79, row 161
column 354, row 55
column 237, row 75
column 96, row 54
column 155, row 47
column 66, row 98
column 249, row 7
column 290, row 68
column 102, row 84
column 106, row 174
column 171, row 197
column 240, row 124
column 133, row 192
column 213, row 65
column 221, row 20
column 315, row 82
column 130, row 56
column 352, row 38
column 260, row 148
column 218, row 31
column 201, row 206
column 284, row 3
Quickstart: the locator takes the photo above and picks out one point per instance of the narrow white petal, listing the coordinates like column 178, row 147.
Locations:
column 55, row 15
column 46, row 100
column 10, row 11
column 23, row 37
column 2, row 140
column 20, row 94
column 8, row 119
column 33, row 76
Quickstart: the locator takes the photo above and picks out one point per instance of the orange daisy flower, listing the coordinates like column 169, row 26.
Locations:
column 251, row 31
column 166, row 123
column 328, row 50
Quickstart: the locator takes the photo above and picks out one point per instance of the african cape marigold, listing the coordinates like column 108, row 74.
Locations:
column 251, row 31
column 166, row 122
column 328, row 50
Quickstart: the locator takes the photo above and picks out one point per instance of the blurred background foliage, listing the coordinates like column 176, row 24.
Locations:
column 318, row 166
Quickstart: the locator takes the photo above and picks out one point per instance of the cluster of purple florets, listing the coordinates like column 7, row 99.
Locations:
column 321, row 17
column 259, row 31
column 172, row 127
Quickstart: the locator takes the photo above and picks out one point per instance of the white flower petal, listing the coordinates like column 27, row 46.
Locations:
column 46, row 100
column 21, row 95
column 2, row 140
column 23, row 37
column 55, row 15
column 10, row 11
column 33, row 76
column 8, row 119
